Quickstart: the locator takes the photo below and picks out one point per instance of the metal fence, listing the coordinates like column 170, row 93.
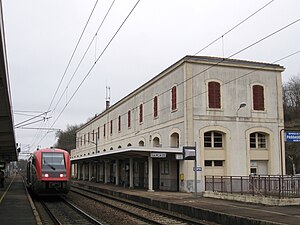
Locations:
column 275, row 186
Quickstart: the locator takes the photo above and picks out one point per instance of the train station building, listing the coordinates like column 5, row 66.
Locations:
column 227, row 113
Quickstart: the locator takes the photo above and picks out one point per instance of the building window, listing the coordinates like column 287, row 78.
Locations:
column 173, row 98
column 84, row 140
column 258, row 97
column 111, row 127
column 156, row 142
column 141, row 143
column 119, row 124
column 155, row 104
column 104, row 130
column 164, row 167
column 129, row 119
column 88, row 137
column 218, row 163
column 174, row 140
column 207, row 163
column 214, row 95
column 98, row 134
column 213, row 139
column 93, row 135
column 141, row 113
column 258, row 141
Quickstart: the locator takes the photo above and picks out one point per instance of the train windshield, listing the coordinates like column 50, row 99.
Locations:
column 53, row 160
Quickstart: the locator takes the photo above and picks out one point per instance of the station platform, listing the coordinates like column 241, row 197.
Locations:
column 15, row 206
column 208, row 209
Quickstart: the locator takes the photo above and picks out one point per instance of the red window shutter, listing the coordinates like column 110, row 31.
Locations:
column 214, row 95
column 111, row 127
column 104, row 129
column 174, row 100
column 258, row 97
column 141, row 113
column 155, row 107
column 129, row 118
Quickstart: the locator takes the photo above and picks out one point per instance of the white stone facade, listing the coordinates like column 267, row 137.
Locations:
column 230, row 140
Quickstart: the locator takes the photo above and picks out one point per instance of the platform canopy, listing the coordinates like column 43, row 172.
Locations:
column 123, row 153
column 8, row 149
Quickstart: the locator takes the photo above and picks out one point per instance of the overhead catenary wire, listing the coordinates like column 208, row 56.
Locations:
column 73, row 53
column 181, row 102
column 66, row 69
column 83, row 56
column 231, row 29
column 250, row 45
column 92, row 67
column 227, row 32
column 224, row 59
column 234, row 27
column 39, row 115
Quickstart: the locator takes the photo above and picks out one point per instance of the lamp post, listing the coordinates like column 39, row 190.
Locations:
column 242, row 105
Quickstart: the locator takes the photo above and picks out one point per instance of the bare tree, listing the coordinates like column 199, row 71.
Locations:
column 291, row 104
column 67, row 139
column 291, row 99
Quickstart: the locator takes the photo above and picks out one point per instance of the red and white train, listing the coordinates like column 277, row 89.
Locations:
column 48, row 172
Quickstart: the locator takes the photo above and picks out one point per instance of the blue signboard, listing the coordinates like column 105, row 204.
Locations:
column 292, row 136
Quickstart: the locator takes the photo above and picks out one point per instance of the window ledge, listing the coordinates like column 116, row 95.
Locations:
column 214, row 109
column 259, row 111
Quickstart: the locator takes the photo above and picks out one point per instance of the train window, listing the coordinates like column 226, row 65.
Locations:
column 53, row 160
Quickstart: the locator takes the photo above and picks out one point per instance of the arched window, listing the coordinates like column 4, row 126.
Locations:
column 141, row 143
column 214, row 95
column 174, row 139
column 258, row 140
column 119, row 146
column 258, row 97
column 129, row 144
column 213, row 139
column 156, row 142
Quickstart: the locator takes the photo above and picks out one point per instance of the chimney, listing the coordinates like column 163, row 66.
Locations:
column 107, row 98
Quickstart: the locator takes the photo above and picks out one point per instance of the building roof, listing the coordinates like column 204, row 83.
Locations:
column 204, row 60
column 8, row 150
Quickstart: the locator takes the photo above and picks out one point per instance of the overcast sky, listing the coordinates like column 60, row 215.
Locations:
column 41, row 36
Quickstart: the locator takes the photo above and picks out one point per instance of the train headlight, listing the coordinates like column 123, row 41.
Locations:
column 45, row 175
column 62, row 175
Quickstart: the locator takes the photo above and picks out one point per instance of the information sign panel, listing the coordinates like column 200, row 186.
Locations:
column 292, row 136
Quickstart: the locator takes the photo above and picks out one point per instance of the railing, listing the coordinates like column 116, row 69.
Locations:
column 268, row 186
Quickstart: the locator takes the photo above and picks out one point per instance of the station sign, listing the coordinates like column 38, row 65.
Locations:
column 158, row 155
column 189, row 152
column 292, row 136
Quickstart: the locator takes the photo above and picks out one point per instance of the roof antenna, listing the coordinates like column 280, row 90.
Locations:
column 107, row 97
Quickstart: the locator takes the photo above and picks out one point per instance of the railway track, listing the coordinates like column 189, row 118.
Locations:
column 144, row 213
column 60, row 211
